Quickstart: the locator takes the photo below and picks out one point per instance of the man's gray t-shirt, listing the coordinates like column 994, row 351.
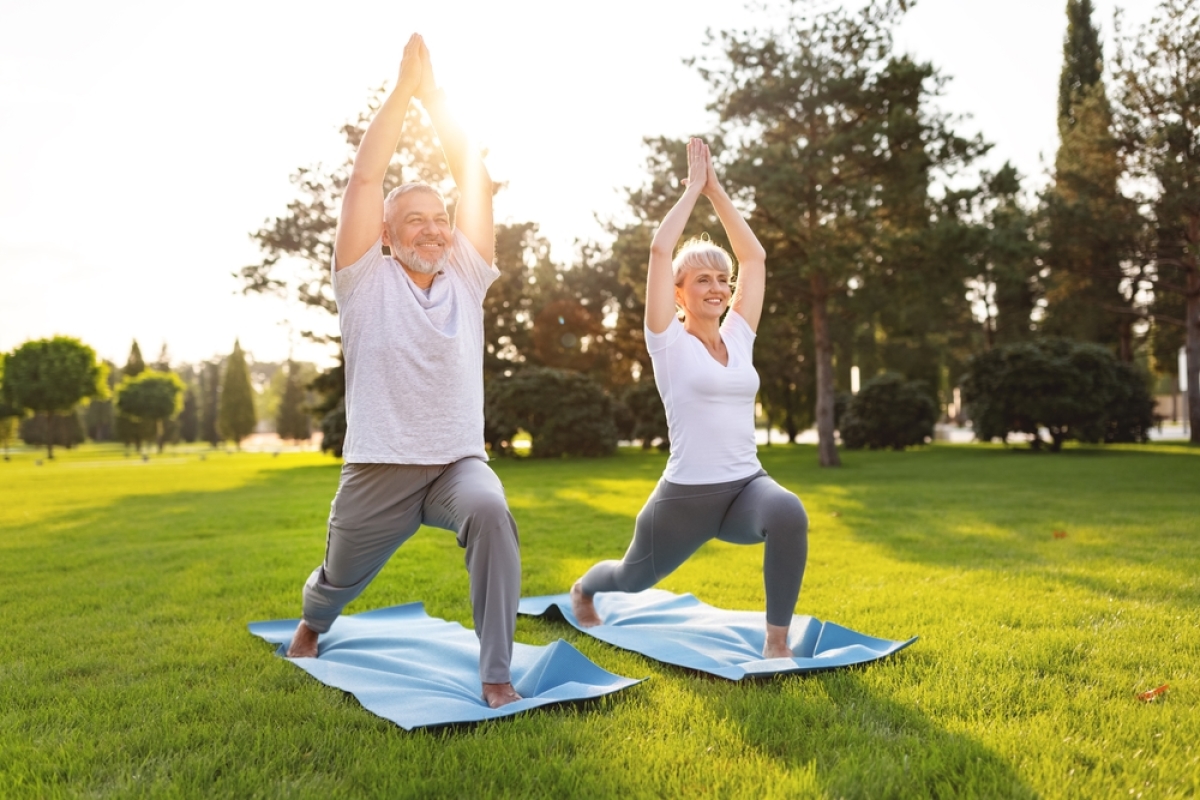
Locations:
column 414, row 361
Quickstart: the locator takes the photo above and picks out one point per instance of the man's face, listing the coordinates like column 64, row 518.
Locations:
column 418, row 232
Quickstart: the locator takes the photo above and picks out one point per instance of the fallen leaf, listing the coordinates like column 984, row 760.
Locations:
column 1152, row 695
column 1060, row 534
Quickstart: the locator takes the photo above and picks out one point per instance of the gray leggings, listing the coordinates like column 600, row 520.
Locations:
column 678, row 519
column 378, row 507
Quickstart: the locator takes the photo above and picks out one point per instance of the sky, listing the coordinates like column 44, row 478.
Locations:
column 142, row 142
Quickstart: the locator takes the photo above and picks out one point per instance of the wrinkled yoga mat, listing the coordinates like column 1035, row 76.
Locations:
column 418, row 671
column 681, row 630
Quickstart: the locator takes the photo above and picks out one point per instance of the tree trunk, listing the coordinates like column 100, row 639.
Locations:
column 1192, row 350
column 49, row 434
column 826, row 447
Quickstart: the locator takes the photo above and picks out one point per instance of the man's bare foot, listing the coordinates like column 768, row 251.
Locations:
column 582, row 607
column 499, row 694
column 304, row 642
column 776, row 645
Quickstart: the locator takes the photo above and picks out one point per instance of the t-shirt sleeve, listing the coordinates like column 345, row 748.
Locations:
column 657, row 342
column 736, row 331
column 345, row 280
column 476, row 273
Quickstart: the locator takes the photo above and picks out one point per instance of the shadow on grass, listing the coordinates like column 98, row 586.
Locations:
column 862, row 743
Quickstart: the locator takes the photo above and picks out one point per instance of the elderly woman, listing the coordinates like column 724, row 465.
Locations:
column 713, row 486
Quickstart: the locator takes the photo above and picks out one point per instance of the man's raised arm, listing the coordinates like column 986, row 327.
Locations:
column 473, row 216
column 361, row 221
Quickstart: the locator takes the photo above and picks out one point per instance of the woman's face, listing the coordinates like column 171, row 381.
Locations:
column 704, row 293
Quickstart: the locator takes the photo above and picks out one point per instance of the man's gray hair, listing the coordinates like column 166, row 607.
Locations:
column 395, row 194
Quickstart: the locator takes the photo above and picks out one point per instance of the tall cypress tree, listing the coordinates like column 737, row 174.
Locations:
column 1090, row 226
column 210, row 394
column 292, row 421
column 235, row 412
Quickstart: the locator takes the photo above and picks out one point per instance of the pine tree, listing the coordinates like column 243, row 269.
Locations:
column 210, row 394
column 235, row 413
column 292, row 421
column 1089, row 223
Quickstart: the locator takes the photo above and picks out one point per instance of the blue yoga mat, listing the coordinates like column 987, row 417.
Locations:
column 681, row 630
column 419, row 671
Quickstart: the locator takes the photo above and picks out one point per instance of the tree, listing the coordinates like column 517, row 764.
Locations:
column 834, row 139
column 129, row 430
column 1006, row 288
column 1159, row 116
column 889, row 411
column 10, row 412
column 50, row 376
column 235, row 412
column 1090, row 226
column 293, row 420
column 151, row 398
column 1076, row 390
column 579, row 422
column 210, row 394
column 189, row 417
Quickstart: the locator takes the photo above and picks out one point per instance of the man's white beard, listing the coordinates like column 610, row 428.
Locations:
column 409, row 257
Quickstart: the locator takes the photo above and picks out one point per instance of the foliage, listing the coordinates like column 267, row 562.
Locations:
column 836, row 142
column 127, row 429
column 210, row 401
column 152, row 398
column 235, row 408
column 53, row 375
column 66, row 429
column 1158, row 73
column 293, row 420
column 333, row 429
column 646, row 415
column 889, row 411
column 1075, row 390
column 1091, row 230
column 189, row 417
column 565, row 412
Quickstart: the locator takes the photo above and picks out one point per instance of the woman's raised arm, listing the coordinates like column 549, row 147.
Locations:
column 660, row 281
column 751, row 257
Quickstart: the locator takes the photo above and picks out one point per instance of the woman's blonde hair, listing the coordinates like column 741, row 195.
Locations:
column 700, row 253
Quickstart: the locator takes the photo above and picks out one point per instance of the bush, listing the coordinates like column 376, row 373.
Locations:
column 565, row 412
column 646, row 416
column 889, row 411
column 333, row 430
column 1074, row 390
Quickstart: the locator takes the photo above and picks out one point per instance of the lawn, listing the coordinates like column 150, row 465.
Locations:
column 126, row 669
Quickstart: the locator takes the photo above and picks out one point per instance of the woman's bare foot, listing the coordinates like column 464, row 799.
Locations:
column 776, row 645
column 304, row 642
column 582, row 607
column 499, row 694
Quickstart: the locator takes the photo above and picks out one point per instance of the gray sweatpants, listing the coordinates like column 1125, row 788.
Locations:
column 378, row 507
column 678, row 519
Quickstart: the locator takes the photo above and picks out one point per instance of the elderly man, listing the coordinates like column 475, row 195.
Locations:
column 412, row 332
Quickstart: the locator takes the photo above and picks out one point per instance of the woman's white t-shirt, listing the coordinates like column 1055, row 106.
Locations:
column 710, row 408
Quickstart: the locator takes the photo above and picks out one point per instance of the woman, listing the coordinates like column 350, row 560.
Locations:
column 713, row 486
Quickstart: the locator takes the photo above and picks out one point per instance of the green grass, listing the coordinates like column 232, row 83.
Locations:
column 126, row 668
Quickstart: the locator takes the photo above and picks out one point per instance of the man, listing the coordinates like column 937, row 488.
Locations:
column 412, row 333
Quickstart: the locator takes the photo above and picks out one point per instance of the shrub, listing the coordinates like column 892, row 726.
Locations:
column 1074, row 390
column 565, row 412
column 889, row 411
column 647, row 418
column 333, row 429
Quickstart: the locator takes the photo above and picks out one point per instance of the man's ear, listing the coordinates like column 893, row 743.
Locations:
column 387, row 241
